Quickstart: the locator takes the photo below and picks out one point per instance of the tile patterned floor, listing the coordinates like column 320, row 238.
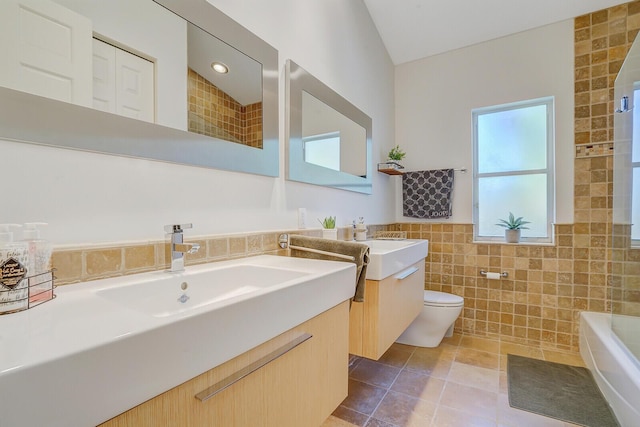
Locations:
column 461, row 383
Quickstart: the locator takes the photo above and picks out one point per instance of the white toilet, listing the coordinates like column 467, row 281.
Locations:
column 435, row 321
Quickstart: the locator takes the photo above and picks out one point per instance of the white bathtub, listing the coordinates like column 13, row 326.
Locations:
column 615, row 369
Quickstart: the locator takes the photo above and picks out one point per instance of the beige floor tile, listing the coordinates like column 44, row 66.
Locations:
column 443, row 351
column 402, row 410
column 363, row 398
column 479, row 358
column 336, row 422
column 573, row 359
column 371, row 372
column 419, row 385
column 377, row 423
column 397, row 355
column 478, row 343
column 452, row 340
column 475, row 376
column 449, row 417
column 349, row 415
column 520, row 350
column 504, row 382
column 512, row 417
column 470, row 400
column 430, row 364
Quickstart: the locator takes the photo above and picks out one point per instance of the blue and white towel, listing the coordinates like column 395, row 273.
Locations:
column 427, row 194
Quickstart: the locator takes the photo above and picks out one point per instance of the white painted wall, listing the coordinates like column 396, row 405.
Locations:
column 95, row 198
column 435, row 96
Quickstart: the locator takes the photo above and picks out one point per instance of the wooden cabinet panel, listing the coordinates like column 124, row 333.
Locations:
column 300, row 388
column 389, row 307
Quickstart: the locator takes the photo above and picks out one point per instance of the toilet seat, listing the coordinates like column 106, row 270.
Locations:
column 442, row 299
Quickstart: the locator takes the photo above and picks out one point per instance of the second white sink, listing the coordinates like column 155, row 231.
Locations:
column 388, row 257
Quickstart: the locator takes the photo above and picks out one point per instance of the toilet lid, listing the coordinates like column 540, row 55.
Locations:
column 442, row 299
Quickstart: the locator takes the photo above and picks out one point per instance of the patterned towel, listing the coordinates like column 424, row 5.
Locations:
column 427, row 194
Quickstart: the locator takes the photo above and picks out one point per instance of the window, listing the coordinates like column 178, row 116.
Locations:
column 635, row 165
column 513, row 155
column 323, row 150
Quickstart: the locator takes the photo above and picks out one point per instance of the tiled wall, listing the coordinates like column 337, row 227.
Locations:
column 91, row 263
column 602, row 40
column 214, row 113
column 546, row 288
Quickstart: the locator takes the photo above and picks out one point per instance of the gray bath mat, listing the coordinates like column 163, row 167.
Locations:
column 564, row 392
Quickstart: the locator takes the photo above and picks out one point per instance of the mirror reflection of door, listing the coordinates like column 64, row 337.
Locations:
column 49, row 50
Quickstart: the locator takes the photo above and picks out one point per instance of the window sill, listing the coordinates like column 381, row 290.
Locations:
column 502, row 242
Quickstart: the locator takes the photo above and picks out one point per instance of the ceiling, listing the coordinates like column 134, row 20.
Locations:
column 415, row 29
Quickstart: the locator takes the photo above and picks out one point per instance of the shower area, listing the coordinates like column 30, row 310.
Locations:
column 610, row 342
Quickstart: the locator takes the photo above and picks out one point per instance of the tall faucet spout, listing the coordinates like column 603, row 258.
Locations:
column 178, row 248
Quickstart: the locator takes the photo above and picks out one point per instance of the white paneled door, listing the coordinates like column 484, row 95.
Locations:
column 46, row 50
column 123, row 83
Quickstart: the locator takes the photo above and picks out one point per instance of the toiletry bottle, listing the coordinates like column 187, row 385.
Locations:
column 14, row 259
column 39, row 262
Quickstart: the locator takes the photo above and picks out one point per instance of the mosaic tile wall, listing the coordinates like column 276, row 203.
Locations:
column 214, row 113
column 602, row 40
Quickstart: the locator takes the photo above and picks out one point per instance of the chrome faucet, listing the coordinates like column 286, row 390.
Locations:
column 178, row 248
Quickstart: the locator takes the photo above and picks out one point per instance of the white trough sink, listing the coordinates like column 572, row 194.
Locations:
column 387, row 257
column 105, row 346
column 178, row 294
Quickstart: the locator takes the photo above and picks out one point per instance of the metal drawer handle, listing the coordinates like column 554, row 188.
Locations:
column 408, row 272
column 231, row 379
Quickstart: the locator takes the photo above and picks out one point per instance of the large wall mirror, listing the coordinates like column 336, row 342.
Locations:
column 329, row 141
column 169, row 80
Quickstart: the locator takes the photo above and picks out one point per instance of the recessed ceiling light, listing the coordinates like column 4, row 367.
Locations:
column 219, row 67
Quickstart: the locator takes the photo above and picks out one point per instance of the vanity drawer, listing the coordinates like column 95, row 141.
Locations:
column 300, row 387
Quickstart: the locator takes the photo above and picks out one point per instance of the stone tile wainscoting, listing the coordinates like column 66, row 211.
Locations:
column 78, row 264
column 540, row 301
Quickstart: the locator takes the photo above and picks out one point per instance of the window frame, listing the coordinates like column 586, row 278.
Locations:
column 549, row 170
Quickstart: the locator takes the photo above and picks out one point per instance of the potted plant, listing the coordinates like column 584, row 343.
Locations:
column 513, row 228
column 395, row 155
column 329, row 228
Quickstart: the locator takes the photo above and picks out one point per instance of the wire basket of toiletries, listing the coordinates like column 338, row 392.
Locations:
column 31, row 292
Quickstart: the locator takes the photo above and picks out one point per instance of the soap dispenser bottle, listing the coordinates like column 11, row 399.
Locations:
column 39, row 261
column 14, row 259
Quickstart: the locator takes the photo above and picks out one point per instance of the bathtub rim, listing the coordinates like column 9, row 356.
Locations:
column 612, row 366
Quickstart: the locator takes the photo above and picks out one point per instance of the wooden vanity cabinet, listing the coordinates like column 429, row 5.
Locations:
column 300, row 388
column 389, row 307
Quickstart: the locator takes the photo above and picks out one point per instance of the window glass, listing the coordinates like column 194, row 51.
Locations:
column 525, row 195
column 323, row 150
column 512, row 140
column 513, row 169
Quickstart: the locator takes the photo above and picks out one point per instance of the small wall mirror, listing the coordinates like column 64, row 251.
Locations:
column 329, row 141
column 93, row 75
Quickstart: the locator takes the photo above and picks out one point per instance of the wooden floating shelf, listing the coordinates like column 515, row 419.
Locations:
column 391, row 168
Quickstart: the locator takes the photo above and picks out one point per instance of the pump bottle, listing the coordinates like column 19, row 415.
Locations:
column 39, row 261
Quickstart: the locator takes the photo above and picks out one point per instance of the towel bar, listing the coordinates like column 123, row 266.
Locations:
column 283, row 239
column 318, row 251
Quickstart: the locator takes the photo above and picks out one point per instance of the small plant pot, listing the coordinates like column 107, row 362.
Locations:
column 330, row 233
column 512, row 236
